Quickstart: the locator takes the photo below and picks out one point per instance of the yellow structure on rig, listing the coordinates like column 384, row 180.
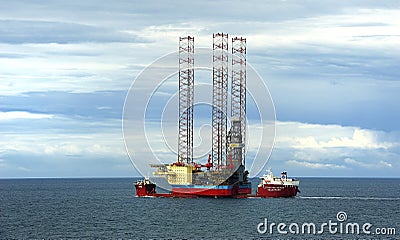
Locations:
column 183, row 174
column 176, row 174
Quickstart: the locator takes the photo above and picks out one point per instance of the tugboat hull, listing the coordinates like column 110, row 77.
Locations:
column 274, row 191
column 145, row 188
column 271, row 186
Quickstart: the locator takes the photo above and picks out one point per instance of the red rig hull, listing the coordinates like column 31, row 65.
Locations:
column 190, row 191
column 277, row 190
column 212, row 191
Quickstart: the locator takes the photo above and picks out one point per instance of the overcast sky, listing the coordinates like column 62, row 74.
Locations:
column 332, row 69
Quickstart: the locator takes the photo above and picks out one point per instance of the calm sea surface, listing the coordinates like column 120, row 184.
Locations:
column 108, row 209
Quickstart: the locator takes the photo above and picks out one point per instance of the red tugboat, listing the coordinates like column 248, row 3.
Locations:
column 145, row 187
column 271, row 186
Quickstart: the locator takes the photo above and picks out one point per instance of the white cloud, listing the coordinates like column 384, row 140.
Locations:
column 84, row 67
column 316, row 136
column 13, row 115
column 361, row 139
column 84, row 145
column 311, row 146
column 104, row 108
column 379, row 164
column 386, row 164
column 321, row 152
column 24, row 169
column 315, row 165
column 304, row 147
column 358, row 28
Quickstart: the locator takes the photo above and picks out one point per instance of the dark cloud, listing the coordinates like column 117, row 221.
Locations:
column 137, row 14
column 12, row 55
column 346, row 85
column 24, row 31
column 32, row 165
column 83, row 105
column 307, row 61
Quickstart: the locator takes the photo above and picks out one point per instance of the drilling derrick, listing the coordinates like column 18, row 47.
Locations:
column 219, row 100
column 186, row 99
column 237, row 134
column 224, row 174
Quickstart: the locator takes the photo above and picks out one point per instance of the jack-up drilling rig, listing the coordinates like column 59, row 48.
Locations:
column 224, row 174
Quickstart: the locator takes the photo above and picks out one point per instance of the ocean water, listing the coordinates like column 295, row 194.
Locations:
column 108, row 209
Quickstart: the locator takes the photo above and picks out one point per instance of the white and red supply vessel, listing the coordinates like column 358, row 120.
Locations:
column 271, row 186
